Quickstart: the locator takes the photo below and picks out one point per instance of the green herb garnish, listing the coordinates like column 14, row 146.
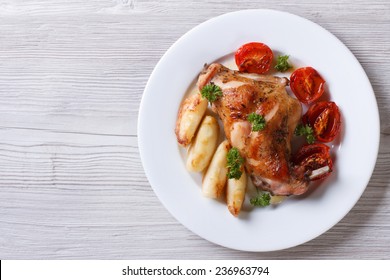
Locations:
column 282, row 64
column 211, row 91
column 262, row 199
column 234, row 162
column 307, row 131
column 257, row 121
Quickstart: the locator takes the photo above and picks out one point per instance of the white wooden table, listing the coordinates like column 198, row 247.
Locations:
column 72, row 75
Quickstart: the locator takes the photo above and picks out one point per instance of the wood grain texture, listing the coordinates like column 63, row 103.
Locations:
column 72, row 75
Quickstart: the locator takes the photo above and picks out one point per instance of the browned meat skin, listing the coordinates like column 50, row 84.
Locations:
column 267, row 152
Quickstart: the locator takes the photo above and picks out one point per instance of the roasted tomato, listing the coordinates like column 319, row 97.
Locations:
column 324, row 118
column 254, row 58
column 315, row 161
column 307, row 84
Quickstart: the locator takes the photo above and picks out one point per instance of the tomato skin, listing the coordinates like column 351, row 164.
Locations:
column 254, row 57
column 312, row 157
column 324, row 118
column 307, row 84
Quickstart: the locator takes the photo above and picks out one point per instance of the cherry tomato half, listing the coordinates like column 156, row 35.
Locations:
column 324, row 119
column 254, row 57
column 307, row 84
column 315, row 160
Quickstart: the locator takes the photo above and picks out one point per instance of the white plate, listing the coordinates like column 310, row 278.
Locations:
column 297, row 220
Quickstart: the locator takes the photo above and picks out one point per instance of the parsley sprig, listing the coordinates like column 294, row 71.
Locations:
column 282, row 64
column 262, row 199
column 234, row 162
column 307, row 131
column 211, row 91
column 257, row 121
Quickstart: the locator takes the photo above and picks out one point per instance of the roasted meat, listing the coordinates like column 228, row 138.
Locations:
column 266, row 152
